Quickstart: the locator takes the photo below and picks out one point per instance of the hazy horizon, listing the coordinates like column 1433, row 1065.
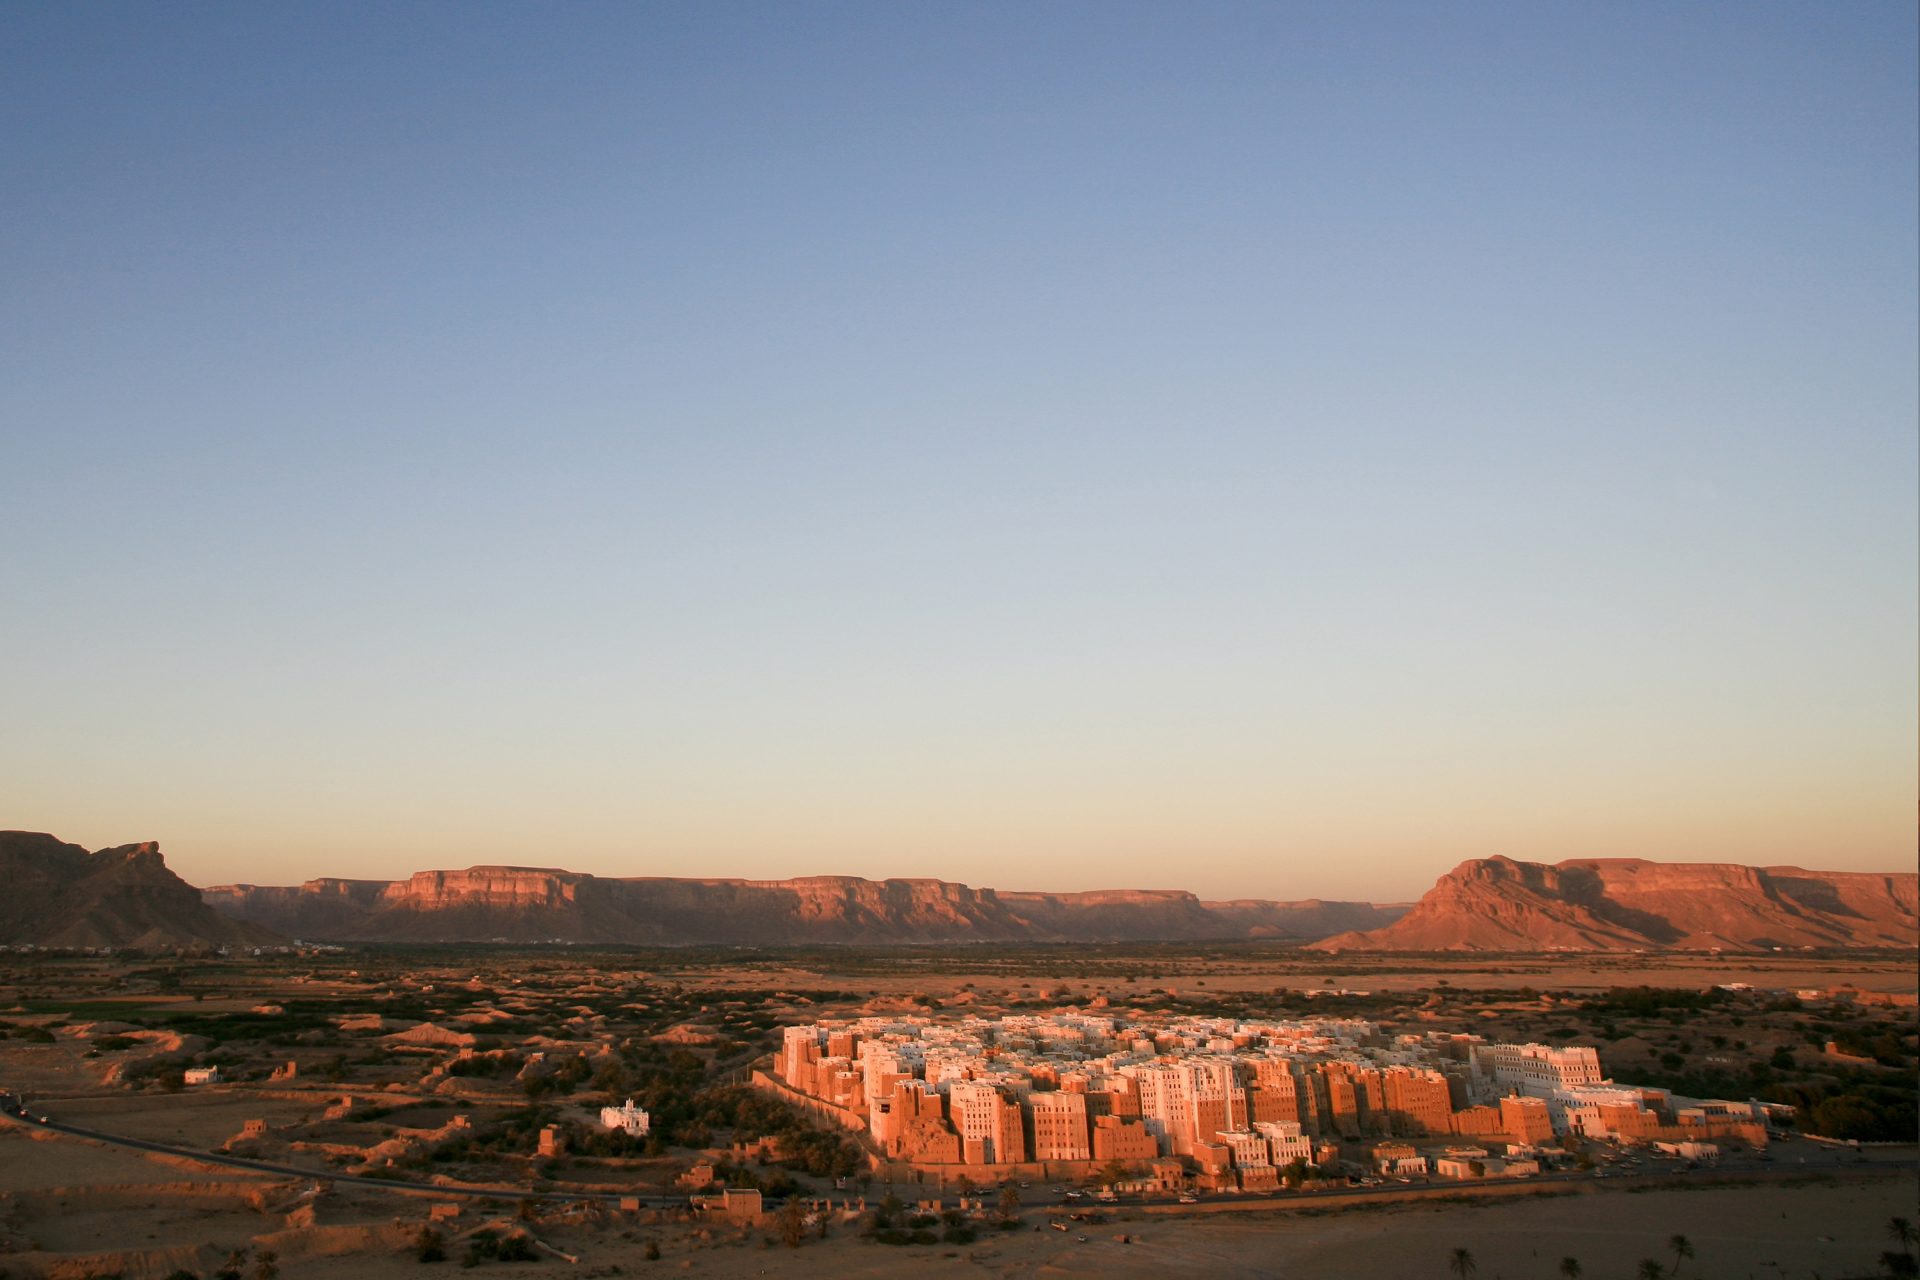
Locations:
column 612, row 870
column 1265, row 450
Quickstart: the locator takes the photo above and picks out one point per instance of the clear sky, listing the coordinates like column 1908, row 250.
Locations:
column 1272, row 450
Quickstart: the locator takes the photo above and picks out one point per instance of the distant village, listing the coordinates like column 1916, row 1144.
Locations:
column 1221, row 1104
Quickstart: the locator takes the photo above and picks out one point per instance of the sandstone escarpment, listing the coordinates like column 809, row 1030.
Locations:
column 527, row 904
column 320, row 907
column 60, row 895
column 1611, row 904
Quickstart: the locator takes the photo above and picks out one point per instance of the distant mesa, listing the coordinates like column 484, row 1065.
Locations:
column 1629, row 904
column 534, row 904
column 1491, row 904
column 61, row 895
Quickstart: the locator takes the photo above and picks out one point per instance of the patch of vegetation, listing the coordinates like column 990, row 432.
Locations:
column 430, row 1246
column 1651, row 1002
column 487, row 1245
column 1870, row 1113
column 1887, row 1048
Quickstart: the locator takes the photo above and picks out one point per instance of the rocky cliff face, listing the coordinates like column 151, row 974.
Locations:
column 59, row 895
column 321, row 908
column 1617, row 904
column 527, row 904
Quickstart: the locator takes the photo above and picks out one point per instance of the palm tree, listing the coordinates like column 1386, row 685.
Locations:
column 1462, row 1264
column 1651, row 1270
column 1900, row 1231
column 1682, row 1250
column 1570, row 1268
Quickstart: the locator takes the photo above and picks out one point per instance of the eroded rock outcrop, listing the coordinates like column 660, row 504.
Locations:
column 527, row 904
column 1617, row 904
column 60, row 895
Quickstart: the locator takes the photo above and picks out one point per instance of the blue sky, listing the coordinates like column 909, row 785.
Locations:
column 1270, row 450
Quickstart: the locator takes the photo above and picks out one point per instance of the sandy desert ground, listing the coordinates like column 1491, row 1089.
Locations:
column 66, row 1196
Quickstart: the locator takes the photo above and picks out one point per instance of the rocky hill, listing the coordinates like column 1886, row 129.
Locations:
column 526, row 904
column 1623, row 904
column 59, row 895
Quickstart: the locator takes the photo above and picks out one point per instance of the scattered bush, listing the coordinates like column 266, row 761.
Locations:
column 487, row 1245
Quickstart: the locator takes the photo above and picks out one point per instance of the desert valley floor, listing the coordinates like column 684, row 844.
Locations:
column 99, row 1044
